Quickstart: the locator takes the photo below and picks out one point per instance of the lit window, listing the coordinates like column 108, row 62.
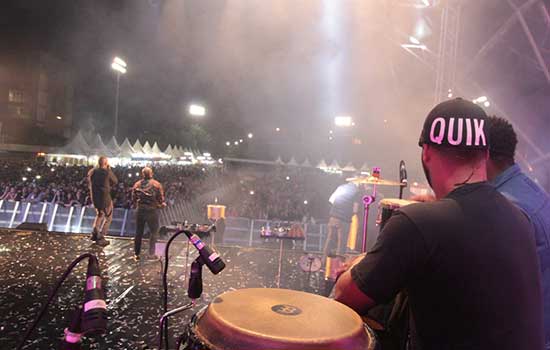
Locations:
column 15, row 96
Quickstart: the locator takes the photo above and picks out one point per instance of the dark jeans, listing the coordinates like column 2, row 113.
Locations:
column 151, row 218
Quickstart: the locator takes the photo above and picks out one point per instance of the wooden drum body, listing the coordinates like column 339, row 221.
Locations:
column 265, row 318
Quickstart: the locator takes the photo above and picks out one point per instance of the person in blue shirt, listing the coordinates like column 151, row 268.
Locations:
column 510, row 180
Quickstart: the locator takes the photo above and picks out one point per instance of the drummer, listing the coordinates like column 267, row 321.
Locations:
column 467, row 260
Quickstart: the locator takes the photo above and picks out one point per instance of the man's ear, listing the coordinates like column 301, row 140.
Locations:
column 426, row 153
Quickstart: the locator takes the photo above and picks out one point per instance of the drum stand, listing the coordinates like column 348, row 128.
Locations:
column 278, row 280
column 367, row 201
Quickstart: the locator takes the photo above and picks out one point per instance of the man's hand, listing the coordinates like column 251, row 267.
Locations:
column 423, row 198
column 349, row 264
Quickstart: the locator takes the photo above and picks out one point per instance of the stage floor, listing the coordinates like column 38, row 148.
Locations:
column 31, row 263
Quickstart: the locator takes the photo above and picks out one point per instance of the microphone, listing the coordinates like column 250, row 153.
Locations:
column 210, row 257
column 402, row 173
column 73, row 334
column 94, row 318
column 194, row 290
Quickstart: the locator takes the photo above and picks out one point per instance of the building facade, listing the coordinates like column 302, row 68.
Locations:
column 36, row 99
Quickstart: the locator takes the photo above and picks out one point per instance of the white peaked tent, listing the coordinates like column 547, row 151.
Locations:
column 322, row 164
column 349, row 168
column 292, row 162
column 364, row 168
column 113, row 146
column 279, row 161
column 126, row 149
column 334, row 165
column 147, row 148
column 168, row 150
column 77, row 146
column 138, row 148
column 306, row 163
column 157, row 153
column 98, row 148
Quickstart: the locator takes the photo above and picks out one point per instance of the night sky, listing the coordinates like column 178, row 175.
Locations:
column 259, row 65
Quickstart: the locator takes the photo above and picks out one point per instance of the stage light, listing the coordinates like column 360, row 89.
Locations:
column 241, row 140
column 58, row 117
column 330, row 132
column 236, row 143
column 38, row 177
column 251, row 193
column 305, row 202
column 24, row 178
column 52, row 170
column 29, row 169
column 118, row 67
column 120, row 62
column 330, row 138
column 277, row 129
column 413, row 46
column 343, row 121
column 137, row 174
column 129, row 175
column 250, row 135
column 197, row 110
column 414, row 40
column 228, row 143
column 287, row 178
column 482, row 99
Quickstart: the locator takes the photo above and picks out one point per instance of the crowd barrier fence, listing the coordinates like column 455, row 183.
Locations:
column 78, row 219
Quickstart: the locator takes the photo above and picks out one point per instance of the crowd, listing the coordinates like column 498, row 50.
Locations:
column 290, row 194
column 287, row 193
column 35, row 181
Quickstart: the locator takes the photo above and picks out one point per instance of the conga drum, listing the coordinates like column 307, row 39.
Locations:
column 265, row 318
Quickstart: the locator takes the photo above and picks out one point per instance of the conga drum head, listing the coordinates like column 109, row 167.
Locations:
column 264, row 318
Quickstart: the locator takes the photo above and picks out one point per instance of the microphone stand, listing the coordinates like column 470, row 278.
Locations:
column 194, row 291
column 402, row 187
column 367, row 201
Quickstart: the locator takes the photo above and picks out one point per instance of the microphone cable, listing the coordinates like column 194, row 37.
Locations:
column 52, row 295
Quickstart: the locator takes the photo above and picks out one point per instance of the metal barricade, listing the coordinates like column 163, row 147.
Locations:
column 239, row 231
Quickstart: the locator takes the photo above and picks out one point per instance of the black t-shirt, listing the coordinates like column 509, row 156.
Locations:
column 100, row 181
column 470, row 266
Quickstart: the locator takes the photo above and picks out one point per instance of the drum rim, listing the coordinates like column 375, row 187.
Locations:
column 196, row 339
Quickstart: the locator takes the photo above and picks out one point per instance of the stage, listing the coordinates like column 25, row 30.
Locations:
column 31, row 263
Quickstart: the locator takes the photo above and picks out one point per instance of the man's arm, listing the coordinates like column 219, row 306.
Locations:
column 347, row 292
column 112, row 177
column 394, row 261
column 161, row 195
column 89, row 180
column 133, row 195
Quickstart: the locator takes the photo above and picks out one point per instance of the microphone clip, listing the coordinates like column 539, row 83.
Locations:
column 194, row 290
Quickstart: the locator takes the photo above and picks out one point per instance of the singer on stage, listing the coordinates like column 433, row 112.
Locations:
column 100, row 181
column 148, row 195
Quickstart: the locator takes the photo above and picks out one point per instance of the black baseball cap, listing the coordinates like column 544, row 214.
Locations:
column 456, row 123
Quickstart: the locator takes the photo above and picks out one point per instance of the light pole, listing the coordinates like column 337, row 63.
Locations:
column 120, row 68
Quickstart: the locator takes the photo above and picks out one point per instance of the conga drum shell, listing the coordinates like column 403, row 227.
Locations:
column 264, row 318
